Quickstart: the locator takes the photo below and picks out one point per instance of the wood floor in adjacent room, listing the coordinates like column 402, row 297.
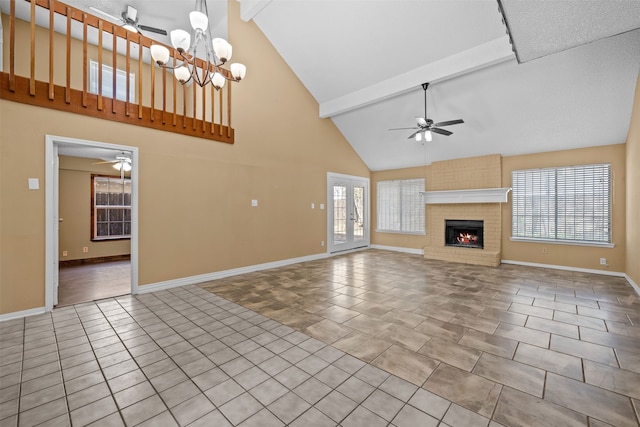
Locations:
column 370, row 338
column 93, row 281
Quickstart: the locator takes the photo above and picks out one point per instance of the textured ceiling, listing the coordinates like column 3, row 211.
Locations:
column 541, row 28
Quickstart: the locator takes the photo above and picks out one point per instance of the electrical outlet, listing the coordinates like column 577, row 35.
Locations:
column 65, row 253
column 322, row 243
column 545, row 250
column 85, row 249
column 603, row 261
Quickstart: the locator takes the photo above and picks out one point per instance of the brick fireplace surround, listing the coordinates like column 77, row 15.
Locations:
column 465, row 174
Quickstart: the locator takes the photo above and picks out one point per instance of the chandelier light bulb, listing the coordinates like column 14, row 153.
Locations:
column 160, row 54
column 418, row 136
column 217, row 80
column 181, row 40
column 182, row 74
column 222, row 49
column 238, row 71
column 427, row 135
column 126, row 166
column 199, row 21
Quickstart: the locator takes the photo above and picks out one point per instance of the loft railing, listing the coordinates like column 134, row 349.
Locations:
column 40, row 75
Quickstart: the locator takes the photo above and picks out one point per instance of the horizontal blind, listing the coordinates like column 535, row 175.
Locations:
column 568, row 203
column 401, row 206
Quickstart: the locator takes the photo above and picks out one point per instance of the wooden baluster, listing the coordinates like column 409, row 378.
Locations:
column 67, row 89
column 213, row 109
column 175, row 83
column 229, row 110
column 204, row 109
column 128, row 59
column 51, row 51
column 32, row 79
column 184, row 107
column 100, row 25
column 114, row 71
column 12, row 47
column 140, row 76
column 221, row 104
column 164, row 95
column 153, row 91
column 194, row 102
column 85, row 78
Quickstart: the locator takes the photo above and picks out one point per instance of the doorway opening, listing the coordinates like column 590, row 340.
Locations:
column 82, row 266
column 347, row 213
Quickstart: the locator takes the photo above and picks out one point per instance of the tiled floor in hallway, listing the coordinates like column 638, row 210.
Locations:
column 364, row 339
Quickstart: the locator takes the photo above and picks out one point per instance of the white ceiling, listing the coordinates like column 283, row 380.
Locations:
column 364, row 62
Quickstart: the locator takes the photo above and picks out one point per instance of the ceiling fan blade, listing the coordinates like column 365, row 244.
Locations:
column 421, row 121
column 105, row 162
column 152, row 30
column 413, row 135
column 441, row 131
column 108, row 15
column 403, row 128
column 449, row 123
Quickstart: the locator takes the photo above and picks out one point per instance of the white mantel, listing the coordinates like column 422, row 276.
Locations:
column 480, row 195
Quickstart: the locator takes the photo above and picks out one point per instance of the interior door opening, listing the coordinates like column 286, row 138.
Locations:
column 91, row 271
column 348, row 212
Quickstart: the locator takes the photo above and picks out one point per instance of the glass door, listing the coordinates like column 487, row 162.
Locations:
column 348, row 212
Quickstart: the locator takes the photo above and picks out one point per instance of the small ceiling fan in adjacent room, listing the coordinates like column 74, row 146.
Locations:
column 129, row 19
column 427, row 126
column 121, row 163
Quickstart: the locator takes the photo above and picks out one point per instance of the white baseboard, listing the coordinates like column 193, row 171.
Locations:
column 192, row 280
column 633, row 284
column 21, row 314
column 564, row 267
column 399, row 249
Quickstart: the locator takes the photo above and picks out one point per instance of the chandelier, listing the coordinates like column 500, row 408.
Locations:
column 216, row 51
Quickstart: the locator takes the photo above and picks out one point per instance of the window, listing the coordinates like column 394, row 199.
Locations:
column 111, row 208
column 567, row 204
column 401, row 206
column 107, row 82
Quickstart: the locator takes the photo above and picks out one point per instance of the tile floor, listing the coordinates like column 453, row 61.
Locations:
column 364, row 339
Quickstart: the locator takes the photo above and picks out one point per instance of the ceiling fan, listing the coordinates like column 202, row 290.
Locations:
column 426, row 126
column 129, row 19
column 121, row 163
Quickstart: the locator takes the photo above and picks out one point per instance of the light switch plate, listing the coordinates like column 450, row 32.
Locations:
column 34, row 184
column 254, row 202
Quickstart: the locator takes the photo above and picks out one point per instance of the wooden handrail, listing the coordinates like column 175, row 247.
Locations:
column 152, row 112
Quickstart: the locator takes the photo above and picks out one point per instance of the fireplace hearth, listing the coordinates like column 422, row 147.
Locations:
column 464, row 233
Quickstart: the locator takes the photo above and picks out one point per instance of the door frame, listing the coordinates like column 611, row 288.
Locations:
column 367, row 232
column 52, row 143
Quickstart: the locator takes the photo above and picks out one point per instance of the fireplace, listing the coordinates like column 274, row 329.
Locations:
column 464, row 233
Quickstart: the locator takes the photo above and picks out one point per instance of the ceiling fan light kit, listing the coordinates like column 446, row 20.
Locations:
column 426, row 127
column 217, row 52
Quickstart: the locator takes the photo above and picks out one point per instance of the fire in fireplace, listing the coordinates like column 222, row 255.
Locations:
column 464, row 233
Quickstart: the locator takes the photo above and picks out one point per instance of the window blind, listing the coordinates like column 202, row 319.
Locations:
column 401, row 206
column 570, row 203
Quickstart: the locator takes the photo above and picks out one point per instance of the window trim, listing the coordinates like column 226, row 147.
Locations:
column 422, row 232
column 92, row 236
column 554, row 212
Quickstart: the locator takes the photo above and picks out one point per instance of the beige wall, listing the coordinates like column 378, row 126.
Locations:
column 570, row 255
column 75, row 211
column 556, row 254
column 194, row 194
column 633, row 192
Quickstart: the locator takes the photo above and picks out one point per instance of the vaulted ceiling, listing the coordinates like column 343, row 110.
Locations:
column 364, row 62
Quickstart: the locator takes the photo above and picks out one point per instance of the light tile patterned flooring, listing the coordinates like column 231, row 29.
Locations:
column 364, row 339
